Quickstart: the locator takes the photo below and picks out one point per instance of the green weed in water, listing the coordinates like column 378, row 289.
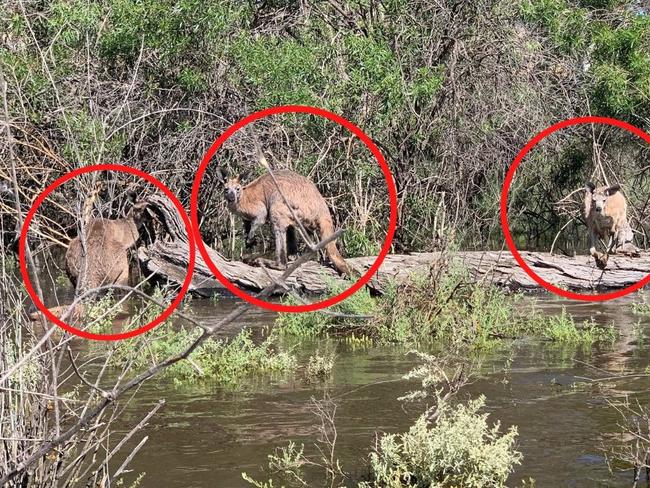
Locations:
column 449, row 309
column 320, row 366
column 563, row 329
column 221, row 360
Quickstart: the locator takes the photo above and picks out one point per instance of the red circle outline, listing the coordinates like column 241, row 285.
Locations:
column 23, row 266
column 504, row 207
column 392, row 195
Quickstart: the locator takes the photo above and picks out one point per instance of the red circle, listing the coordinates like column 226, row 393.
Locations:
column 504, row 207
column 23, row 266
column 392, row 195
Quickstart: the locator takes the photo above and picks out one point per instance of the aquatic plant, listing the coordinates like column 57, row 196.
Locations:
column 225, row 361
column 447, row 306
column 100, row 314
column 641, row 307
column 222, row 361
column 563, row 329
column 449, row 445
column 342, row 317
column 320, row 366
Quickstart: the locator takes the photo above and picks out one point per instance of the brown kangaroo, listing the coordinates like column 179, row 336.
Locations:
column 606, row 215
column 260, row 200
column 106, row 257
column 107, row 246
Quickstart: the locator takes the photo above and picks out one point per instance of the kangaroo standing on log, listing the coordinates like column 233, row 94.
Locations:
column 606, row 215
column 260, row 200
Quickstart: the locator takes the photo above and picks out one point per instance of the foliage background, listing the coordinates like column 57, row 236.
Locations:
column 449, row 90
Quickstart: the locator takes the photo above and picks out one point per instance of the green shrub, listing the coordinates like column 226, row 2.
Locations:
column 449, row 307
column 458, row 449
column 225, row 361
column 313, row 324
column 445, row 307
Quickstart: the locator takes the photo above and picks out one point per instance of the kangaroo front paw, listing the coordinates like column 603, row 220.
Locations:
column 601, row 260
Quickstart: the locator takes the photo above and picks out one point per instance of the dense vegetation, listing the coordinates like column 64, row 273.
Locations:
column 450, row 95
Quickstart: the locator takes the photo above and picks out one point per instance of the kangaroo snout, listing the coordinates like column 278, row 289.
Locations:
column 231, row 196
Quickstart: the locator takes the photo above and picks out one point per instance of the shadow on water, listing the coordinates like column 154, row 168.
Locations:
column 207, row 435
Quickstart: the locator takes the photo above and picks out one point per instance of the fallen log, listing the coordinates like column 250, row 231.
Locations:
column 167, row 257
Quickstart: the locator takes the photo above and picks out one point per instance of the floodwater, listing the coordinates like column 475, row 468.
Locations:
column 205, row 435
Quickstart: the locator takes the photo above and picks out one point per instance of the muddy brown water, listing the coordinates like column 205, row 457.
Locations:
column 207, row 435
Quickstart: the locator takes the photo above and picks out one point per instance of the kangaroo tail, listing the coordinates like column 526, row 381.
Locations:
column 326, row 230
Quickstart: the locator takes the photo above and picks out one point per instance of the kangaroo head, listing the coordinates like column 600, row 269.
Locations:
column 599, row 195
column 233, row 186
column 139, row 212
column 233, row 189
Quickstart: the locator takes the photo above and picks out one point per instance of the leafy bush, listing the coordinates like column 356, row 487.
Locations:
column 458, row 449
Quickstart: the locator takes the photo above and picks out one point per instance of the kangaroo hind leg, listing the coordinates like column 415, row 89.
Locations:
column 292, row 241
column 280, row 246
column 280, row 262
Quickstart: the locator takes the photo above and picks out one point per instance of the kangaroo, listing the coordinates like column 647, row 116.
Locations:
column 107, row 247
column 606, row 215
column 105, row 260
column 260, row 200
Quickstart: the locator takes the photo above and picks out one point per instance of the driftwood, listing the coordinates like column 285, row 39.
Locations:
column 167, row 257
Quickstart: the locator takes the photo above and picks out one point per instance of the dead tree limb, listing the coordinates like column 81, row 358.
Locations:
column 168, row 258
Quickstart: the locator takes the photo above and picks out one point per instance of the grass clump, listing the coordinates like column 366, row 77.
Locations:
column 642, row 307
column 219, row 360
column 225, row 361
column 446, row 307
column 101, row 313
column 442, row 306
column 563, row 329
column 314, row 324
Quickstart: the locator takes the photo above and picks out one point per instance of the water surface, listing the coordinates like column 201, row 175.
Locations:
column 205, row 436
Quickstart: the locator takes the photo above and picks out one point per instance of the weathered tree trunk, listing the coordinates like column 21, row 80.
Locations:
column 168, row 257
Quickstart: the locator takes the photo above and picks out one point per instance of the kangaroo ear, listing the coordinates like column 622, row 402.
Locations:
column 131, row 195
column 139, row 210
column 222, row 174
column 613, row 189
column 590, row 187
column 244, row 175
